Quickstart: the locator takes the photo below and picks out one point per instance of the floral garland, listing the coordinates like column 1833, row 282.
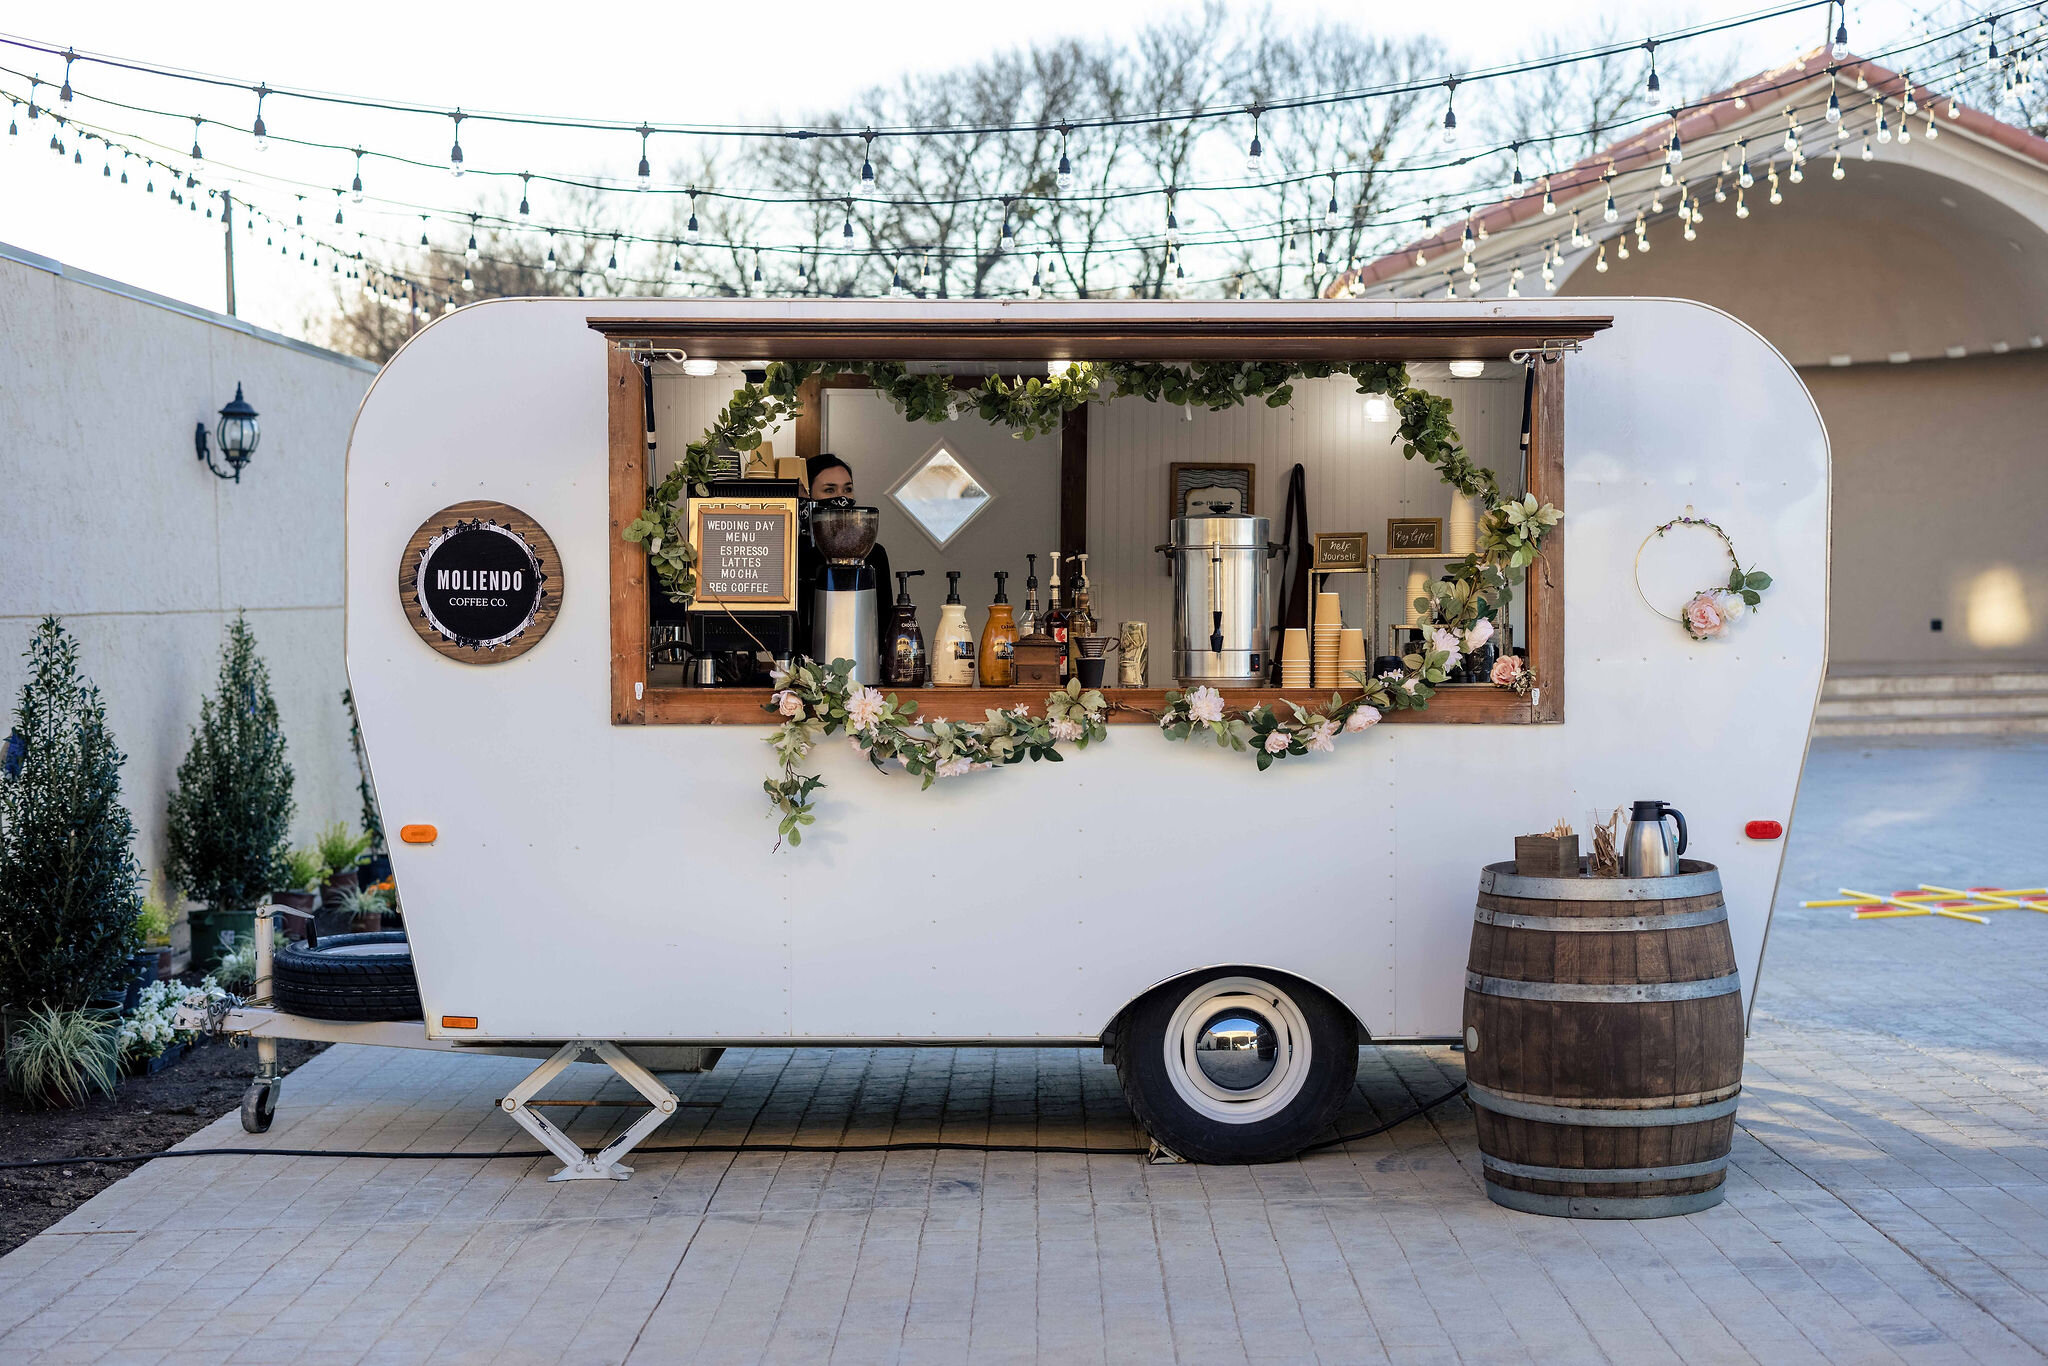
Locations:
column 818, row 699
column 1709, row 613
column 815, row 701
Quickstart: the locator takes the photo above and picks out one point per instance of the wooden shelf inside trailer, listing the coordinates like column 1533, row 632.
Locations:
column 1457, row 703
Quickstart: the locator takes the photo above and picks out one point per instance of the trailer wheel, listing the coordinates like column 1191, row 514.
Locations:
column 259, row 1105
column 1237, row 1068
column 348, row 977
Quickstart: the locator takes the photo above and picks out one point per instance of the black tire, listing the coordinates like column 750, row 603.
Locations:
column 1309, row 1044
column 349, row 977
column 259, row 1105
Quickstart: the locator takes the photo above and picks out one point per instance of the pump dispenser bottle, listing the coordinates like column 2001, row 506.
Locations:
column 999, row 639
column 953, row 642
column 1027, row 624
column 905, row 665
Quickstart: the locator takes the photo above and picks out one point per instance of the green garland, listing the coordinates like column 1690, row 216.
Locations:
column 818, row 699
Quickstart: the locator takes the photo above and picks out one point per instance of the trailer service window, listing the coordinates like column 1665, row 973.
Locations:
column 1098, row 486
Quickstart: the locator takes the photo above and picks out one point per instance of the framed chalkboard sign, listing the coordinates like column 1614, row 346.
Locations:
column 480, row 582
column 746, row 554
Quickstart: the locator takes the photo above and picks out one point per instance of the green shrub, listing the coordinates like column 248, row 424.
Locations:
column 303, row 868
column 70, row 891
column 232, row 809
column 153, row 921
column 59, row 1057
column 237, row 967
column 341, row 849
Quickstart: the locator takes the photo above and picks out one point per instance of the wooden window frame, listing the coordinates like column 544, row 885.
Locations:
column 635, row 702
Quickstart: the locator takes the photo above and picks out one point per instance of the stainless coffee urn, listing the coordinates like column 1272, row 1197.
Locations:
column 1221, row 606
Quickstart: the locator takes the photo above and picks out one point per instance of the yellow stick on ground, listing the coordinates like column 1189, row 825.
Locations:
column 1858, row 902
column 2001, row 900
column 1869, row 897
column 1893, row 914
column 1964, row 915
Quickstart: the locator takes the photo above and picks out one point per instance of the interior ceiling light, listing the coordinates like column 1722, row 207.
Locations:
column 700, row 368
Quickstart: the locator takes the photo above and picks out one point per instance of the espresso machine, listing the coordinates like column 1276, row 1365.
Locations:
column 1221, row 603
column 845, row 605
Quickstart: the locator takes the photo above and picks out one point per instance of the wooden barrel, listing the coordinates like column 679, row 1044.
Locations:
column 1603, row 1042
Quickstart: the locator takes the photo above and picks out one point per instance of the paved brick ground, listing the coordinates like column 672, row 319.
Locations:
column 1888, row 1201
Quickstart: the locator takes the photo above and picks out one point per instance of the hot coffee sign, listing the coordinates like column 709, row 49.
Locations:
column 480, row 582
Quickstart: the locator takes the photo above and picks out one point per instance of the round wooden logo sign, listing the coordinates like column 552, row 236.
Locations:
column 480, row 582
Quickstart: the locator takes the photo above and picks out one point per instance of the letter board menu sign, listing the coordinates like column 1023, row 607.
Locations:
column 480, row 582
column 746, row 554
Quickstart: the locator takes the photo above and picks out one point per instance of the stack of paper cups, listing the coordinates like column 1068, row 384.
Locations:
column 1418, row 587
column 1294, row 671
column 1329, row 625
column 1461, row 535
column 1350, row 657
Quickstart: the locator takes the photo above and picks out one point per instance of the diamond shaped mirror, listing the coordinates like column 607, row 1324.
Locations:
column 941, row 494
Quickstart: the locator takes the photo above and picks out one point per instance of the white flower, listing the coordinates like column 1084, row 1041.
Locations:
column 1022, row 711
column 955, row 767
column 1363, row 717
column 864, row 708
column 1409, row 685
column 1205, row 705
column 1064, row 729
column 1447, row 641
column 1319, row 739
column 1732, row 606
column 789, row 704
column 1481, row 632
column 1276, row 742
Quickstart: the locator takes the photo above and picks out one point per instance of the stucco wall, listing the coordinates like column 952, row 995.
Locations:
column 108, row 519
column 1941, row 480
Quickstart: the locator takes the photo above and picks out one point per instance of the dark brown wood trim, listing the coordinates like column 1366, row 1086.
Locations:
column 626, row 434
column 1545, row 584
column 1074, row 482
column 810, row 420
column 1340, row 335
column 1463, row 704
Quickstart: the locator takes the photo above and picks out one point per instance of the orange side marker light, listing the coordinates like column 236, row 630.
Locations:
column 458, row 1022
column 418, row 834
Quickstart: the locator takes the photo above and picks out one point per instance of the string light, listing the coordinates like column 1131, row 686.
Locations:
column 1450, row 109
column 1515, row 184
column 1776, row 196
column 867, row 163
column 1063, row 178
column 470, row 253
column 1840, row 48
column 1255, row 155
column 1742, row 175
column 259, row 132
column 355, row 189
column 1610, row 212
column 693, row 234
column 1867, row 153
column 1549, row 204
column 455, row 152
column 1741, row 205
column 1652, row 85
column 525, row 180
column 1332, row 217
column 64, row 95
column 1837, row 172
column 1600, row 262
column 195, row 139
column 645, row 174
column 1008, row 241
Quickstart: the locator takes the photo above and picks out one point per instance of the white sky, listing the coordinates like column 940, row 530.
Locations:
column 686, row 61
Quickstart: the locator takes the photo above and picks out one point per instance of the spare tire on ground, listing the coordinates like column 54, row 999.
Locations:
column 348, row 977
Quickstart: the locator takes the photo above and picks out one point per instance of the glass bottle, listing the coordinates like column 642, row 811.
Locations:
column 1056, row 620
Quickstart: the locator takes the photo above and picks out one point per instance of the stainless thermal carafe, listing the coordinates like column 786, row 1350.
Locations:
column 1647, row 850
column 1220, row 610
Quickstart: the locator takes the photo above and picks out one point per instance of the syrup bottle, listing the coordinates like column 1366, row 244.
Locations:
column 999, row 639
column 953, row 641
column 1027, row 624
column 905, row 666
column 1056, row 620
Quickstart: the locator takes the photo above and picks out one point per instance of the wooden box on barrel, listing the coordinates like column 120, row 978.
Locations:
column 1603, row 1041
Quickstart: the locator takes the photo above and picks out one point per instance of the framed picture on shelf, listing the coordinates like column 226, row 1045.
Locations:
column 1339, row 552
column 1415, row 535
column 1197, row 490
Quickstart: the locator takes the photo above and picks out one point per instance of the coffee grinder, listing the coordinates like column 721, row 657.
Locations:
column 845, row 621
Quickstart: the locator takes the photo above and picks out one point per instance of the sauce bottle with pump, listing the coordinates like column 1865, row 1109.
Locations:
column 999, row 639
column 906, row 662
column 1055, row 624
column 953, row 641
column 1027, row 624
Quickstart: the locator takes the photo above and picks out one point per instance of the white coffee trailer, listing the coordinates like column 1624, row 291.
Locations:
column 603, row 867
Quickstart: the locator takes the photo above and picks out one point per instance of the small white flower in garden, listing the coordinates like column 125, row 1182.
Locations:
column 1476, row 638
column 1064, row 729
column 1276, row 742
column 1319, row 739
column 1205, row 705
column 1363, row 717
column 864, row 708
column 955, row 767
column 789, row 704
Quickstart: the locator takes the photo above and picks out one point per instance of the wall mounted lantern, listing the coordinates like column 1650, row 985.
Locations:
column 237, row 434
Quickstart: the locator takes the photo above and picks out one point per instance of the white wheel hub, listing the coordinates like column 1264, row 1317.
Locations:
column 1237, row 1050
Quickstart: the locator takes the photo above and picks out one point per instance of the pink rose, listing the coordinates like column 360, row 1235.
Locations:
column 1205, row 705
column 1276, row 743
column 1703, row 618
column 789, row 704
column 1363, row 717
column 1506, row 670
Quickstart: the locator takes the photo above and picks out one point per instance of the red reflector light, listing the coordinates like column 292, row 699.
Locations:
column 1764, row 830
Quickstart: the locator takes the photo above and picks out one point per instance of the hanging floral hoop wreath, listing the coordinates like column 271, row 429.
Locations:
column 818, row 698
column 1709, row 613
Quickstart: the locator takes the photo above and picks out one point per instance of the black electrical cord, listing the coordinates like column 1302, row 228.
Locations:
column 934, row 1147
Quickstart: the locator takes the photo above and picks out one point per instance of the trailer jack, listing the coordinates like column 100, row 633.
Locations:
column 584, row 1166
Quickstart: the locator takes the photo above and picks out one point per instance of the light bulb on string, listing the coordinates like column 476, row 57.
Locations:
column 470, row 253
column 1450, row 110
column 455, row 152
column 1549, row 204
column 259, row 131
column 1933, row 128
column 1837, row 172
column 1333, row 218
column 1037, row 282
column 1579, row 238
column 1884, row 128
column 355, row 189
column 337, row 206
column 1908, row 104
column 1720, row 191
column 1450, row 286
column 1063, row 177
column 1840, row 48
column 693, row 234
column 1692, row 231
column 1172, row 223
column 423, row 230
column 525, row 182
column 1255, row 155
column 760, row 286
column 1008, row 240
column 612, row 264
column 551, row 248
column 1514, row 181
column 867, row 162
column 1905, row 131
column 1742, row 176
column 845, row 228
column 1867, row 153
column 1834, row 114
column 675, row 265
column 64, row 94
column 1955, row 107
column 1791, row 130
column 644, row 176
column 1621, row 251
column 1652, row 85
column 468, row 282
column 195, row 139
column 1609, row 211
column 1777, row 197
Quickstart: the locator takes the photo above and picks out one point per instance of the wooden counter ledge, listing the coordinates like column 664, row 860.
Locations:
column 1456, row 704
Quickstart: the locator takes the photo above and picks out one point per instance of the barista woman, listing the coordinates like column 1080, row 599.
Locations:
column 830, row 477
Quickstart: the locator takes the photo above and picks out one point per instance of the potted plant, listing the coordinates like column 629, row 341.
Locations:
column 365, row 909
column 299, row 887
column 153, row 923
column 232, row 808
column 340, row 852
column 70, row 891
